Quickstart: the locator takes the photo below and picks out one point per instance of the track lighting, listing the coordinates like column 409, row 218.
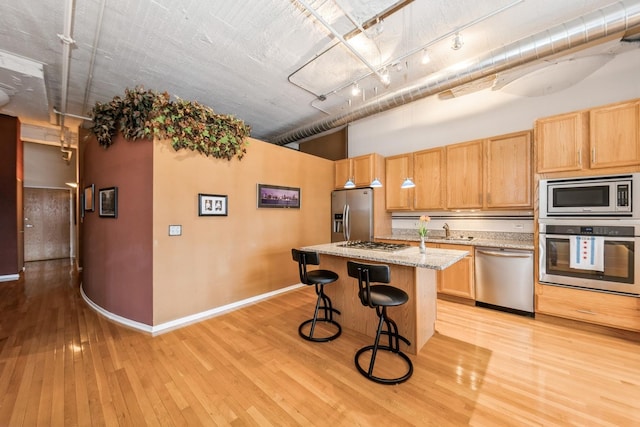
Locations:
column 408, row 183
column 355, row 89
column 375, row 183
column 385, row 78
column 425, row 59
column 457, row 42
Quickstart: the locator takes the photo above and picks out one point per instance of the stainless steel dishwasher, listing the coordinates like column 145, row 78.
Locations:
column 504, row 279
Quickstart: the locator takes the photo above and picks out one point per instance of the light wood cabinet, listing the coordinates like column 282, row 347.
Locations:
column 361, row 169
column 596, row 139
column 459, row 279
column 429, row 175
column 398, row 168
column 427, row 169
column 507, row 171
column 560, row 141
column 614, row 135
column 464, row 175
column 593, row 307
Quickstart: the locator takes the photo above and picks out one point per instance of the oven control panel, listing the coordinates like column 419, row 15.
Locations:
column 588, row 230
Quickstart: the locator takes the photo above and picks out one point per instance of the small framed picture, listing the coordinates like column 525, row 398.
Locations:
column 108, row 199
column 88, row 203
column 212, row 205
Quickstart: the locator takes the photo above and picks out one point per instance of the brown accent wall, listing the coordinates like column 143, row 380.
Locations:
column 221, row 260
column 118, row 253
column 332, row 146
column 10, row 195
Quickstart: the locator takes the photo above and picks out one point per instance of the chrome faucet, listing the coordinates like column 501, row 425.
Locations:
column 446, row 230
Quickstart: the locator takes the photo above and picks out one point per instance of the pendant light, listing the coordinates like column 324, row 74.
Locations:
column 349, row 184
column 407, row 183
column 375, row 183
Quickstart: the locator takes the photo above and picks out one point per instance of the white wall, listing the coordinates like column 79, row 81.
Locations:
column 45, row 168
column 431, row 122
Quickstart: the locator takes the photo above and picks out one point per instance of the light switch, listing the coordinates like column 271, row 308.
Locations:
column 175, row 230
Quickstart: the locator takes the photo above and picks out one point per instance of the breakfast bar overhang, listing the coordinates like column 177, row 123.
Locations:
column 411, row 271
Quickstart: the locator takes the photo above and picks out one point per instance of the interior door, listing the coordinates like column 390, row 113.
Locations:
column 47, row 222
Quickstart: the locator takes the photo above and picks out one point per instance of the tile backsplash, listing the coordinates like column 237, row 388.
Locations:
column 467, row 225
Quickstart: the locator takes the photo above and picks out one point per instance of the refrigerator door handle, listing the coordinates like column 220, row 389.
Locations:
column 347, row 222
column 344, row 222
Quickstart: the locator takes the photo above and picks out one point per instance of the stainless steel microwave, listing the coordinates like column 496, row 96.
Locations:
column 607, row 196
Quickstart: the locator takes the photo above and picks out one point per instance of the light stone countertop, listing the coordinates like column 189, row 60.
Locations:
column 494, row 241
column 435, row 259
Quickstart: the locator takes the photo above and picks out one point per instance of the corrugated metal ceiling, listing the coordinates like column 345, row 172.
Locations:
column 242, row 57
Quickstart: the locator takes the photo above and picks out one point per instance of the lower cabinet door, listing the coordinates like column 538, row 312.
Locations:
column 458, row 280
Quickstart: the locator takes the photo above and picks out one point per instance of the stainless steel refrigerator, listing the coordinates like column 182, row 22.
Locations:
column 352, row 214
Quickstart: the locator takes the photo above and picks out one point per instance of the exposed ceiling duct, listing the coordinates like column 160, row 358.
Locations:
column 598, row 26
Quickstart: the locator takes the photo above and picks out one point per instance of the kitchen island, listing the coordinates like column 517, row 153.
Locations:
column 411, row 271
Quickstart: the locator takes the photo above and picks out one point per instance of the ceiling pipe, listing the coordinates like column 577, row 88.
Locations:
column 94, row 51
column 599, row 25
column 67, row 41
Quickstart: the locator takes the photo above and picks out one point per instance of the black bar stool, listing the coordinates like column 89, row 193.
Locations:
column 318, row 278
column 380, row 297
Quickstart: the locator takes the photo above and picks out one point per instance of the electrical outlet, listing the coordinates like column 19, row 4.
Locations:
column 175, row 230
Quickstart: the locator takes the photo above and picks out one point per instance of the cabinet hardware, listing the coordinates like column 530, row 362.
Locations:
column 587, row 312
column 593, row 156
column 580, row 157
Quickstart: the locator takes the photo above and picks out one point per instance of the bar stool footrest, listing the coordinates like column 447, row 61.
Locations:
column 380, row 380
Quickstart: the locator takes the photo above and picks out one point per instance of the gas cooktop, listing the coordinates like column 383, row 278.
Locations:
column 376, row 246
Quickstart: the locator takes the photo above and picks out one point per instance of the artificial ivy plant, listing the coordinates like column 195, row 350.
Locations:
column 188, row 124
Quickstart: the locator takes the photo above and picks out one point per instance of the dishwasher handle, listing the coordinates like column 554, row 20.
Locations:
column 504, row 254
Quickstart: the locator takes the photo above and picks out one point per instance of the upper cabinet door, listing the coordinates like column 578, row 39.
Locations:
column 464, row 175
column 559, row 143
column 429, row 173
column 363, row 169
column 508, row 175
column 398, row 168
column 615, row 135
column 342, row 172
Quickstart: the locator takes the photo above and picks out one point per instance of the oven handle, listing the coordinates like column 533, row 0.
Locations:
column 568, row 236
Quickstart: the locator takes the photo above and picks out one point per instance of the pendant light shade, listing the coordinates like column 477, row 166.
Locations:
column 349, row 184
column 407, row 183
column 375, row 183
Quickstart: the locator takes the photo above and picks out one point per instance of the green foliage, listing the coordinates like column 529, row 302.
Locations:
column 188, row 124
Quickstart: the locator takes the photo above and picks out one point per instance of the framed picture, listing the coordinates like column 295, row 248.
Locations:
column 275, row 196
column 108, row 198
column 89, row 204
column 212, row 205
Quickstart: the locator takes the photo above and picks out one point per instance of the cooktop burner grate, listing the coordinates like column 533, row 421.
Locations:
column 376, row 246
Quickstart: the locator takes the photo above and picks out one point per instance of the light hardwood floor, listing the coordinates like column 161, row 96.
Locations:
column 61, row 364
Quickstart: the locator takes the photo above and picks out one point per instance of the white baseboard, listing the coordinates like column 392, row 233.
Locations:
column 9, row 277
column 183, row 321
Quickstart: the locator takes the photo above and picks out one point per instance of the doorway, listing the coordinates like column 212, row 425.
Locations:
column 47, row 224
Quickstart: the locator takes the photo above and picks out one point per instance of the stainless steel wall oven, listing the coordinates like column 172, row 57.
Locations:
column 620, row 261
